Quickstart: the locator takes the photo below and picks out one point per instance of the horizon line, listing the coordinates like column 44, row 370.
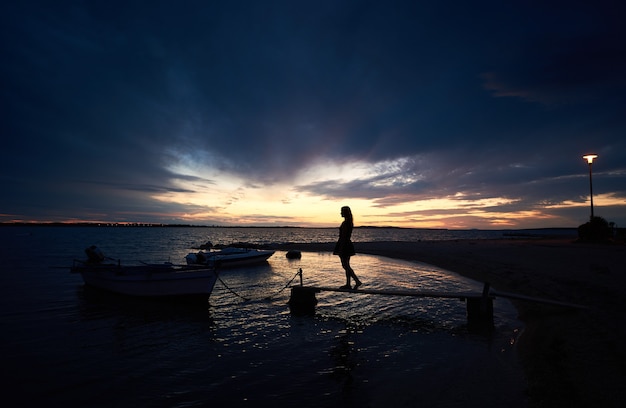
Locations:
column 170, row 225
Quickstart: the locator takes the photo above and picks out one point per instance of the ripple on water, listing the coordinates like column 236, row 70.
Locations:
column 86, row 348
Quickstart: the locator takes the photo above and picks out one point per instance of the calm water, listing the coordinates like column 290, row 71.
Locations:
column 65, row 345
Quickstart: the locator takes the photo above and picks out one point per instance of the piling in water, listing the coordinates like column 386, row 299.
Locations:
column 303, row 300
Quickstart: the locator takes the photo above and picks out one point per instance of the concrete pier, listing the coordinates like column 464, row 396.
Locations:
column 479, row 305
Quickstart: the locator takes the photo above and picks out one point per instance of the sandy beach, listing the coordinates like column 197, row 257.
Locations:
column 572, row 357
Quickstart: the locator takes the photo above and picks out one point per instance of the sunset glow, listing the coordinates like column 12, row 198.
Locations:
column 410, row 114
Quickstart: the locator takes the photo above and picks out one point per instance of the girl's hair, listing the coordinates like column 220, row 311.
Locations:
column 348, row 213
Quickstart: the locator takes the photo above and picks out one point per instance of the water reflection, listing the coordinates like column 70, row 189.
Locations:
column 97, row 304
column 83, row 347
column 345, row 356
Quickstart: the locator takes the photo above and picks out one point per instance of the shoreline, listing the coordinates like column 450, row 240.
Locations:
column 570, row 357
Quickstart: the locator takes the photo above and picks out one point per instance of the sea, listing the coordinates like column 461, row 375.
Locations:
column 67, row 345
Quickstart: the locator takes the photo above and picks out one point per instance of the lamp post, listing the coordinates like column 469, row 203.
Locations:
column 589, row 158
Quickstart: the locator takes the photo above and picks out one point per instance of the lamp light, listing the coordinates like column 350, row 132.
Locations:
column 589, row 158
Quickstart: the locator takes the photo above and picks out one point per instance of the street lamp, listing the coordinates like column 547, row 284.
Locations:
column 589, row 158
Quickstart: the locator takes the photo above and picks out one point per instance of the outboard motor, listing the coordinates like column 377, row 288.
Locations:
column 94, row 254
column 198, row 258
column 192, row 259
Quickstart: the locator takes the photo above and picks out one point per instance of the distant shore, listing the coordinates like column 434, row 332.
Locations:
column 571, row 357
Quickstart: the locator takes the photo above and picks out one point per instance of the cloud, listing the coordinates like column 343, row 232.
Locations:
column 577, row 59
column 108, row 107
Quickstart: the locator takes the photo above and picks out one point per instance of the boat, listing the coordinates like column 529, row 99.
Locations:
column 144, row 280
column 229, row 257
column 293, row 254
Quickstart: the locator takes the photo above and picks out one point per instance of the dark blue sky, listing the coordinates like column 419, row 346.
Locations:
column 452, row 114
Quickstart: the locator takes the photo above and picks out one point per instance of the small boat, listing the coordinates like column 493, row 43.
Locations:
column 229, row 257
column 293, row 254
column 145, row 280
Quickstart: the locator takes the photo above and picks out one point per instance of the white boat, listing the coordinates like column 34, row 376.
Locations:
column 228, row 257
column 146, row 280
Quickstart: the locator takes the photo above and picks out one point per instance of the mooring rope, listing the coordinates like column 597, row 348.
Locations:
column 286, row 286
column 264, row 298
column 230, row 290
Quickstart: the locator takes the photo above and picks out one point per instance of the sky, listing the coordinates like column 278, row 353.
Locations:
column 447, row 114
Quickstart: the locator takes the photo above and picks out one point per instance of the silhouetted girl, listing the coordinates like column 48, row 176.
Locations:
column 344, row 247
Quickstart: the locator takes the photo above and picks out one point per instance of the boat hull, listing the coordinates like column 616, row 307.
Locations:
column 149, row 282
column 226, row 261
column 229, row 258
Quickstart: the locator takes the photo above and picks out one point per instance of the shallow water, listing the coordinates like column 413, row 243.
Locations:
column 65, row 344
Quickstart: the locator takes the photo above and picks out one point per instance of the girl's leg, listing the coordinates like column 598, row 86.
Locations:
column 345, row 262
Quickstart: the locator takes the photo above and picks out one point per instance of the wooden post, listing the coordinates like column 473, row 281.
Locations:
column 480, row 309
column 302, row 301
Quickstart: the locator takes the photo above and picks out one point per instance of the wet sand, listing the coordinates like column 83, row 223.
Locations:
column 571, row 357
